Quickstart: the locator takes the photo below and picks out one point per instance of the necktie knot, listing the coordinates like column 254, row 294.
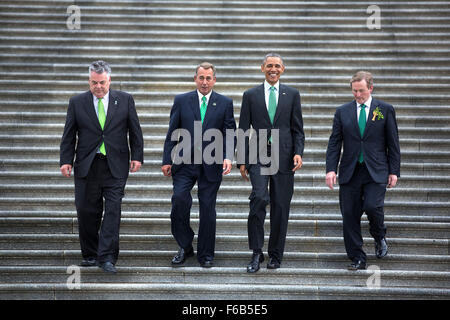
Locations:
column 204, row 99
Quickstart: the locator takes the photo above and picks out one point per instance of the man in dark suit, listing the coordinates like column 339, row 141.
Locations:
column 274, row 111
column 370, row 162
column 193, row 116
column 96, row 129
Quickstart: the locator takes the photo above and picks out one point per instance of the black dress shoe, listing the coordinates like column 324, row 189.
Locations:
column 381, row 248
column 253, row 266
column 273, row 263
column 357, row 265
column 108, row 267
column 207, row 264
column 90, row 262
column 182, row 255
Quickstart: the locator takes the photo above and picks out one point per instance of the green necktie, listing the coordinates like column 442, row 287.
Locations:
column 101, row 119
column 203, row 108
column 272, row 104
column 362, row 126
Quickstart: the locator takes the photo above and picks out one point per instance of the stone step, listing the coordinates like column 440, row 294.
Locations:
column 159, row 258
column 298, row 205
column 157, row 141
column 212, row 291
column 223, row 242
column 225, row 275
column 227, row 88
column 73, row 70
column 47, row 152
column 312, row 175
column 335, row 216
column 226, row 226
column 232, row 192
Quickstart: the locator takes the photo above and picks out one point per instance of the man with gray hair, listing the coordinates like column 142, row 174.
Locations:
column 197, row 112
column 95, row 136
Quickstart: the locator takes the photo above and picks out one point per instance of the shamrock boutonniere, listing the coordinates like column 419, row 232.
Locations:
column 377, row 114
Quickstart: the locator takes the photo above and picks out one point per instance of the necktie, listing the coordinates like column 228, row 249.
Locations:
column 203, row 108
column 362, row 126
column 272, row 104
column 101, row 119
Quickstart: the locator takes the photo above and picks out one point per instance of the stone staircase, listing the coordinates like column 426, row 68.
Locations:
column 153, row 48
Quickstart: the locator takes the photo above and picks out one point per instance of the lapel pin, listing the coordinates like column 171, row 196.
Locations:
column 115, row 102
column 214, row 104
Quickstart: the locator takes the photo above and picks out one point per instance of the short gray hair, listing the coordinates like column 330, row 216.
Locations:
column 206, row 65
column 362, row 75
column 100, row 67
column 272, row 54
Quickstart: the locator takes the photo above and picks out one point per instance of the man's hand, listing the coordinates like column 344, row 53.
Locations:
column 392, row 181
column 135, row 166
column 297, row 162
column 226, row 167
column 244, row 172
column 66, row 170
column 331, row 179
column 166, row 169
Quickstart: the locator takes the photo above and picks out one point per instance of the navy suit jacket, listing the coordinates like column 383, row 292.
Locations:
column 379, row 144
column 219, row 115
column 288, row 120
column 82, row 122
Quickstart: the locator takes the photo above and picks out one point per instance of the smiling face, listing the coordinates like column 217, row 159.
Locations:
column 205, row 80
column 99, row 84
column 360, row 91
column 273, row 68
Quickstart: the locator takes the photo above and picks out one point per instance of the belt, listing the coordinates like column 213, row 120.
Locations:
column 100, row 156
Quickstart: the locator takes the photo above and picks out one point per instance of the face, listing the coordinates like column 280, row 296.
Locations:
column 360, row 91
column 273, row 69
column 99, row 84
column 205, row 80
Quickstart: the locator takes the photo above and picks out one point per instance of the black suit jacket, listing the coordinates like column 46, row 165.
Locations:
column 288, row 120
column 219, row 115
column 82, row 122
column 380, row 143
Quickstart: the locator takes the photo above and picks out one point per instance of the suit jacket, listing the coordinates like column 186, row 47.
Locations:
column 219, row 115
column 288, row 120
column 82, row 121
column 379, row 144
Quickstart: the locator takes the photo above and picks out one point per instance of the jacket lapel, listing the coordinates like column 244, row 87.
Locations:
column 369, row 122
column 90, row 109
column 353, row 114
column 195, row 107
column 261, row 97
column 113, row 104
column 282, row 95
column 210, row 108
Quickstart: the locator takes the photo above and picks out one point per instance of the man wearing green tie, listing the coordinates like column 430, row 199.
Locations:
column 268, row 107
column 95, row 136
column 366, row 128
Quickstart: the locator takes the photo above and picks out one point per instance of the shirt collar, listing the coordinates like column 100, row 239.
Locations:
column 200, row 96
column 105, row 99
column 367, row 103
column 268, row 85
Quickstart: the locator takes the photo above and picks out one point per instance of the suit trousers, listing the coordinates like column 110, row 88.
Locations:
column 361, row 194
column 99, row 238
column 281, row 188
column 183, row 181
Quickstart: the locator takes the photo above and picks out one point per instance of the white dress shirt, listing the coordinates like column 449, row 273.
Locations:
column 200, row 97
column 358, row 108
column 105, row 101
column 267, row 92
